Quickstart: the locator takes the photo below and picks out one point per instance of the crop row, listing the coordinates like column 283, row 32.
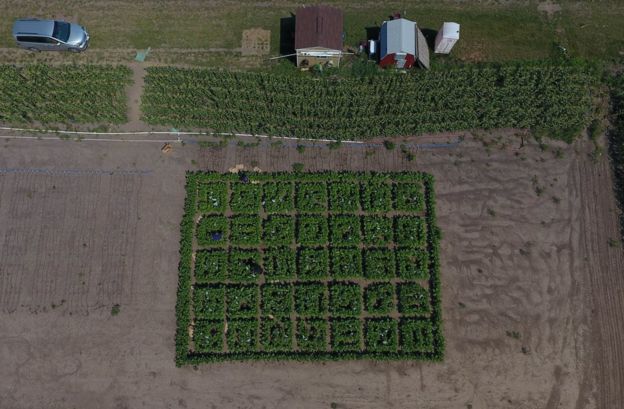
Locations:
column 309, row 299
column 63, row 94
column 310, row 263
column 383, row 334
column 311, row 230
column 283, row 197
column 555, row 98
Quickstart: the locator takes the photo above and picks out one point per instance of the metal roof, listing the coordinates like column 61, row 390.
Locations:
column 33, row 26
column 398, row 36
column 318, row 26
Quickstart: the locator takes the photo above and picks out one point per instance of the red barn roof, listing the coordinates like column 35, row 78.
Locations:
column 318, row 26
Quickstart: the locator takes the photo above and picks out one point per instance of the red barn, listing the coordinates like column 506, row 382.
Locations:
column 402, row 44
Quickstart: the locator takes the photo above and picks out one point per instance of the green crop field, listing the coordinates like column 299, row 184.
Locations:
column 63, row 94
column 549, row 97
column 309, row 266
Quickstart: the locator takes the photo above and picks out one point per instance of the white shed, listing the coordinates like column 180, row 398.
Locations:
column 446, row 38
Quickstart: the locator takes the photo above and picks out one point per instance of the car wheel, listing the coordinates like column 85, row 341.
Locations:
column 34, row 50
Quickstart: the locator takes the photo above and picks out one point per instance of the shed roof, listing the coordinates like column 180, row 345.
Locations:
column 318, row 26
column 398, row 36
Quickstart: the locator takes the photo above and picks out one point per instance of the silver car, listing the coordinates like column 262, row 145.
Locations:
column 50, row 35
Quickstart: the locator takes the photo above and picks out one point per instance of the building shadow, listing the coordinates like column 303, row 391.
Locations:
column 372, row 33
column 287, row 35
column 430, row 36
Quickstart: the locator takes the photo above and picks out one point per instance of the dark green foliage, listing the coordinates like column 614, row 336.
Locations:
column 244, row 265
column 344, row 196
column 377, row 230
column 310, row 299
column 379, row 298
column 211, row 265
column 413, row 299
column 279, row 263
column 376, row 196
column 311, row 197
column 245, row 197
column 616, row 140
column 312, row 230
column 276, row 334
column 346, row 334
column 241, row 300
column 278, row 230
column 409, row 197
column 311, row 334
column 242, row 335
column 416, row 335
column 312, row 263
column 412, row 264
column 64, row 93
column 381, row 335
column 554, row 97
column 276, row 299
column 208, row 336
column 278, row 197
column 273, row 303
column 346, row 262
column 245, row 230
column 212, row 231
column 209, row 302
column 345, row 299
column 410, row 231
column 379, row 263
column 212, row 197
column 344, row 230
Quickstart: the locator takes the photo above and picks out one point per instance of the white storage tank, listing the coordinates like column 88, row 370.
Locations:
column 446, row 38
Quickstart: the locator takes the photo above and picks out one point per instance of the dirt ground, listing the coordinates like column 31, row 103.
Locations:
column 531, row 288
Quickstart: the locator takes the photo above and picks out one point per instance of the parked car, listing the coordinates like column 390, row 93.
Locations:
column 50, row 35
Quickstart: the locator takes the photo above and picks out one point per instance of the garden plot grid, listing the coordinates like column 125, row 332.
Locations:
column 309, row 266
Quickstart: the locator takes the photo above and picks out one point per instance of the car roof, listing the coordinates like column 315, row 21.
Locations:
column 33, row 26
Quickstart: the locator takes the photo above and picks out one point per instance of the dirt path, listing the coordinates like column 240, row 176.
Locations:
column 605, row 267
column 134, row 92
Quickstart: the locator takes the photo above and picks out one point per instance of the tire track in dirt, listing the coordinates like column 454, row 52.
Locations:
column 605, row 266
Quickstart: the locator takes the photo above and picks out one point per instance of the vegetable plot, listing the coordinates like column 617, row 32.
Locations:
column 552, row 98
column 317, row 266
column 63, row 94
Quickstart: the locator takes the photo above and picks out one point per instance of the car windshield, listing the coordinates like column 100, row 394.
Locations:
column 61, row 31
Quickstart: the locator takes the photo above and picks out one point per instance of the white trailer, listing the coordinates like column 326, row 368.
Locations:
column 446, row 38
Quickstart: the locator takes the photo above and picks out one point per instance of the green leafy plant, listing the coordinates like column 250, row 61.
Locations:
column 379, row 298
column 278, row 230
column 345, row 299
column 211, row 265
column 312, row 263
column 346, row 262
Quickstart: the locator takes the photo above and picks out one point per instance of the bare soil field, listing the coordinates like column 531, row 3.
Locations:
column 531, row 289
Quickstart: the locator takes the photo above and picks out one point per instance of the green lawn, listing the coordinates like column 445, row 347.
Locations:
column 490, row 31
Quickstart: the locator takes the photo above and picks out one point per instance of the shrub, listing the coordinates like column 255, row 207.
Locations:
column 376, row 197
column 310, row 299
column 245, row 197
column 241, row 300
column 209, row 302
column 346, row 334
column 379, row 298
column 381, row 335
column 278, row 230
column 412, row 264
column 276, row 334
column 279, row 263
column 242, row 335
column 311, row 197
column 413, row 299
column 212, row 231
column 276, row 299
column 410, row 231
column 208, row 336
column 311, row 334
column 312, row 230
column 313, row 263
column 212, row 197
column 345, row 230
column 345, row 299
column 346, row 262
column 377, row 230
column 379, row 263
column 409, row 197
column 278, row 197
column 416, row 335
column 244, row 265
column 211, row 265
column 245, row 230
column 344, row 196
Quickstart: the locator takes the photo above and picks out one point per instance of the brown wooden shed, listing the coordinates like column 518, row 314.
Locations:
column 318, row 35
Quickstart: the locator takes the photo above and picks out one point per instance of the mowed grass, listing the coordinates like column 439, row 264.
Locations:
column 490, row 31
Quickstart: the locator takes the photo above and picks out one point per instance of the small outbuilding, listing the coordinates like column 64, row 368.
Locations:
column 318, row 35
column 402, row 45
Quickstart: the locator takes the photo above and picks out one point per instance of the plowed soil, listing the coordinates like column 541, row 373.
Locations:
column 532, row 285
